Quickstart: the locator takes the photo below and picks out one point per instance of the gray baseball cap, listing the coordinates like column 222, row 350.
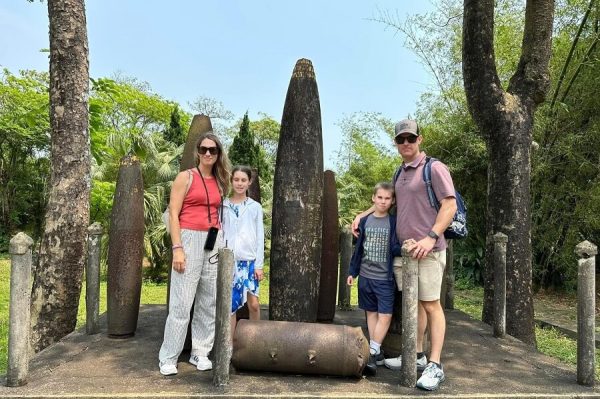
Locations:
column 407, row 126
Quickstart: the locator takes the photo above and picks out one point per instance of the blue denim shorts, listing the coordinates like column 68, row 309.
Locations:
column 376, row 295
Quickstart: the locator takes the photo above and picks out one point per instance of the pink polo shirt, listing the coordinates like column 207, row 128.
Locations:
column 415, row 216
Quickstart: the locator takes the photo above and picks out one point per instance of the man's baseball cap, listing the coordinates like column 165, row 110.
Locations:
column 407, row 126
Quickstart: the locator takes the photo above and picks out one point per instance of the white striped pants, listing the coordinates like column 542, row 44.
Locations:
column 200, row 280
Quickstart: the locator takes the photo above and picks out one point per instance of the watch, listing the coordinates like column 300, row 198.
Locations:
column 433, row 235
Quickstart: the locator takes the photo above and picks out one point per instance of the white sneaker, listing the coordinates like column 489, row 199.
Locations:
column 431, row 378
column 395, row 363
column 167, row 369
column 202, row 363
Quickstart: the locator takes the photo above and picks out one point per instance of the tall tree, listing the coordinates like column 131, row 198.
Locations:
column 244, row 150
column 505, row 118
column 174, row 133
column 57, row 280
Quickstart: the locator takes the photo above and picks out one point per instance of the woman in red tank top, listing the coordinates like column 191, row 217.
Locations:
column 193, row 212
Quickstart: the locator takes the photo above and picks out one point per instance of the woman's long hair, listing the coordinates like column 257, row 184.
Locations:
column 221, row 169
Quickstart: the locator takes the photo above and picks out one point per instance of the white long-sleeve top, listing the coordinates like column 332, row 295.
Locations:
column 245, row 233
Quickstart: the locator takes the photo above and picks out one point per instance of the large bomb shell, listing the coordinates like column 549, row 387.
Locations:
column 297, row 201
column 126, row 250
column 254, row 189
column 330, row 250
column 304, row 348
column 200, row 125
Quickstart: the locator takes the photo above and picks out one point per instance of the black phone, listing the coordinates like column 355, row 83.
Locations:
column 211, row 238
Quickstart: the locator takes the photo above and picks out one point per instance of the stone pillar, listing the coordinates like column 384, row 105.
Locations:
column 222, row 345
column 410, row 306
column 449, row 278
column 92, row 279
column 19, row 313
column 345, row 256
column 586, row 317
column 499, row 267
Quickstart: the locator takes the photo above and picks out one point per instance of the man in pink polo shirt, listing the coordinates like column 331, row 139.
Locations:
column 417, row 220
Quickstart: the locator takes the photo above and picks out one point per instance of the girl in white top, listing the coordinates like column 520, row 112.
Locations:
column 244, row 234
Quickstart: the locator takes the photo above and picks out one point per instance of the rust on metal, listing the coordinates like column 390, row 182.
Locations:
column 301, row 348
column 126, row 250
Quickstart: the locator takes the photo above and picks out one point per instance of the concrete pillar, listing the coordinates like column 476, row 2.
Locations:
column 345, row 256
column 92, row 279
column 222, row 346
column 19, row 313
column 499, row 267
column 410, row 306
column 449, row 278
column 586, row 317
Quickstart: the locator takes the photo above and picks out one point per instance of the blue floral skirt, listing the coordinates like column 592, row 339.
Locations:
column 243, row 283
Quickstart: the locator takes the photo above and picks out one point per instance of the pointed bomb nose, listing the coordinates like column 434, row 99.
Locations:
column 303, row 69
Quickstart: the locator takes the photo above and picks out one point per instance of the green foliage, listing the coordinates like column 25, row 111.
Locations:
column 363, row 162
column 244, row 150
column 24, row 145
column 174, row 133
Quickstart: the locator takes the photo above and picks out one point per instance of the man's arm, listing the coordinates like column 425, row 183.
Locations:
column 442, row 221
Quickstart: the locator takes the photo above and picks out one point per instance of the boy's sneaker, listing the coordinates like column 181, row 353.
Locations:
column 432, row 377
column 167, row 369
column 374, row 361
column 395, row 363
column 379, row 358
column 202, row 363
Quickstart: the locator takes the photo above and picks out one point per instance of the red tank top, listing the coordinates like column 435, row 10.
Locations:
column 194, row 211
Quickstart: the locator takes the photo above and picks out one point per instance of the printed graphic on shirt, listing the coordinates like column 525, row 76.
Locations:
column 376, row 244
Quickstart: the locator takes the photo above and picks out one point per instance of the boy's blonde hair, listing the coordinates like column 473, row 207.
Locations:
column 384, row 185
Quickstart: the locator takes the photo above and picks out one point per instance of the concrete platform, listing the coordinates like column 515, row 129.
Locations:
column 477, row 366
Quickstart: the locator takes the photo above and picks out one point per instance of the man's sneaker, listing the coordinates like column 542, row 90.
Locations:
column 432, row 377
column 202, row 363
column 395, row 363
column 167, row 369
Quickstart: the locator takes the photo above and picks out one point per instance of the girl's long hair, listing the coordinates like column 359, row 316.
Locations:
column 222, row 168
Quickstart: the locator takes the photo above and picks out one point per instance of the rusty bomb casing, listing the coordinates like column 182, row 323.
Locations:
column 126, row 250
column 302, row 348
column 297, row 202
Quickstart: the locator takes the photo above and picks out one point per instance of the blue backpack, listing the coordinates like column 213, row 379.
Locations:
column 458, row 227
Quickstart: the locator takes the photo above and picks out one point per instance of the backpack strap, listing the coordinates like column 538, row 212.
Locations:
column 427, row 179
column 396, row 176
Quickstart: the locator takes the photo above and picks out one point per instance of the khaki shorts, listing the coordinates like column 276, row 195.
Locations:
column 431, row 273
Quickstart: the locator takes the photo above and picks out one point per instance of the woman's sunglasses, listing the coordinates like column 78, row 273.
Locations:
column 411, row 139
column 203, row 150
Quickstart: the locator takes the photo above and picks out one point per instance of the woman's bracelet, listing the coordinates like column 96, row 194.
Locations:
column 174, row 247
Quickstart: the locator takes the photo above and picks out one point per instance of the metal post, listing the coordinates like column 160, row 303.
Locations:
column 92, row 279
column 19, row 313
column 586, row 317
column 410, row 306
column 345, row 256
column 222, row 346
column 499, row 266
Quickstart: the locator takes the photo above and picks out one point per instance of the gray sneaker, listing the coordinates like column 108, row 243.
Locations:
column 395, row 363
column 432, row 377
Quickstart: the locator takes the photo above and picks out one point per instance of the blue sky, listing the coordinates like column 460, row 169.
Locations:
column 241, row 53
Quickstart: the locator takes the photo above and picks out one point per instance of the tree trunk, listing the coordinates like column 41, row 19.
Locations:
column 505, row 118
column 57, row 281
